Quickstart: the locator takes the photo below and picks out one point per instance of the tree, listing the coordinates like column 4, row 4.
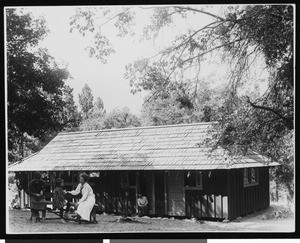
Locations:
column 35, row 83
column 70, row 115
column 99, row 104
column 92, row 123
column 244, row 37
column 241, row 34
column 115, row 119
column 86, row 100
column 120, row 119
column 98, row 109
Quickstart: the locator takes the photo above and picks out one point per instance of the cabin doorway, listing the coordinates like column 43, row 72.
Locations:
column 142, row 184
column 159, row 193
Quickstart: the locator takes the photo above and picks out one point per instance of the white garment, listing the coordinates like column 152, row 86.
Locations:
column 86, row 202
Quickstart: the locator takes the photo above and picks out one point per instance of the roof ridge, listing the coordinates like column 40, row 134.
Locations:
column 137, row 128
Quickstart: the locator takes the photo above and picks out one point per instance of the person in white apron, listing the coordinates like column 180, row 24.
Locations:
column 87, row 201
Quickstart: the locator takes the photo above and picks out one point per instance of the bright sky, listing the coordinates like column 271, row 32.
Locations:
column 106, row 80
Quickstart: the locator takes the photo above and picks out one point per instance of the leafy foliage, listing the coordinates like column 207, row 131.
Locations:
column 120, row 119
column 98, row 109
column 96, row 117
column 246, row 33
column 85, row 22
column 86, row 100
column 115, row 119
column 71, row 118
column 35, row 83
column 243, row 36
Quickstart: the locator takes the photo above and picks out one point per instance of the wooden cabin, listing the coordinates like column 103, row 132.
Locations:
column 180, row 175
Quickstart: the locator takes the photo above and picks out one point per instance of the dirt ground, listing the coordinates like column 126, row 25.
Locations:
column 258, row 222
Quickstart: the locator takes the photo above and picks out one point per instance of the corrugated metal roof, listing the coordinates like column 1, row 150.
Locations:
column 173, row 147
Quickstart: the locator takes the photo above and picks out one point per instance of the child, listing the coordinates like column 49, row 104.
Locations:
column 59, row 198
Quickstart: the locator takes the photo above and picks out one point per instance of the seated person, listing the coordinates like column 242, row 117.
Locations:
column 142, row 203
column 87, row 201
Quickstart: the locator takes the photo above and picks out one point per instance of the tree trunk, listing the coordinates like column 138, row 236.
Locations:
column 290, row 190
column 277, row 195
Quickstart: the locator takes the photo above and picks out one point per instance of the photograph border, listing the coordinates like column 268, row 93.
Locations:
column 138, row 235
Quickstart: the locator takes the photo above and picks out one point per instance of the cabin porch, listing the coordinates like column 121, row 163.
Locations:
column 199, row 194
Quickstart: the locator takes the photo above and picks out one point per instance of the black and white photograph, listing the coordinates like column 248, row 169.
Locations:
column 150, row 118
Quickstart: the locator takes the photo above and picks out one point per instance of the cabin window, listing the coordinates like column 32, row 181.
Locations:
column 250, row 176
column 198, row 179
column 193, row 179
column 254, row 175
column 246, row 177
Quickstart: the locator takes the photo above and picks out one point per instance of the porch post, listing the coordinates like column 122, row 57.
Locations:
column 153, row 192
column 166, row 191
column 137, row 189
column 22, row 199
column 29, row 180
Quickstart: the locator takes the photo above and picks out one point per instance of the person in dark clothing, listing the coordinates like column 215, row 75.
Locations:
column 36, row 190
column 59, row 200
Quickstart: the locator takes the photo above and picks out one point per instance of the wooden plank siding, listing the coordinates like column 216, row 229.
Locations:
column 222, row 194
column 212, row 200
column 247, row 200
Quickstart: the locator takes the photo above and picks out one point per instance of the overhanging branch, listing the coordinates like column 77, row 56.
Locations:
column 288, row 122
column 200, row 11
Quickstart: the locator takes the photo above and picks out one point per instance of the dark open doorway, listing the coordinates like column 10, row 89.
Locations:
column 159, row 193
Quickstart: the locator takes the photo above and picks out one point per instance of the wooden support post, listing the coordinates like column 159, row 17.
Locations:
column 27, row 199
column 19, row 192
column 153, row 192
column 29, row 175
column 226, row 203
column 22, row 199
column 166, row 192
column 137, row 189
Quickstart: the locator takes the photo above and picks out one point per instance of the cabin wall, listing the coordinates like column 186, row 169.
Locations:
column 222, row 194
column 246, row 200
column 165, row 191
column 212, row 200
column 111, row 193
column 176, row 194
column 150, row 192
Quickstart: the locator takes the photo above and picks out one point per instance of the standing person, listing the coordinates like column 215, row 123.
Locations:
column 87, row 201
column 142, row 203
column 59, row 200
column 36, row 190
